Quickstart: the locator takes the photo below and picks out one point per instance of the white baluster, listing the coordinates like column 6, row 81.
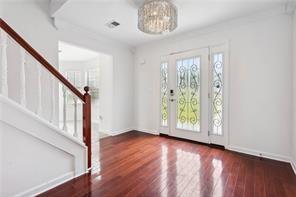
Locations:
column 39, row 89
column 3, row 63
column 23, row 78
column 53, row 110
column 65, row 109
column 75, row 117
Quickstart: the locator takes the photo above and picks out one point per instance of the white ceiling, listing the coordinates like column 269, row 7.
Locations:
column 193, row 14
column 68, row 52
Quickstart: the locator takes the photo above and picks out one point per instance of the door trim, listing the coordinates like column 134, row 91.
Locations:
column 226, row 43
column 224, row 48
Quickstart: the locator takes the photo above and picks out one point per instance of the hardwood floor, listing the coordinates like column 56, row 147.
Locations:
column 138, row 164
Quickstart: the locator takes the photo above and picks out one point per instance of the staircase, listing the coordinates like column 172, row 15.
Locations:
column 37, row 150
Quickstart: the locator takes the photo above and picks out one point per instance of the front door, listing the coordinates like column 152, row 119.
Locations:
column 193, row 95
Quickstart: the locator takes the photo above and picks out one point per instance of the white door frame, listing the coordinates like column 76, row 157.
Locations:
column 212, row 139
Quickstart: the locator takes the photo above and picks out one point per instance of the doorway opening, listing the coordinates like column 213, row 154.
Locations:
column 84, row 67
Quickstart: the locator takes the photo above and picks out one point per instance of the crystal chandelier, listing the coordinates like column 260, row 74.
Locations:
column 157, row 17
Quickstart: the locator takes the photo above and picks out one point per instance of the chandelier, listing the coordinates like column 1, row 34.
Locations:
column 157, row 17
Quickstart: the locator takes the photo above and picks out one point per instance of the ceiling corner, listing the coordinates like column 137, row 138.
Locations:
column 56, row 6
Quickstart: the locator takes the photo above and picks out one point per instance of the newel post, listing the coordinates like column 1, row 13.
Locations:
column 87, row 124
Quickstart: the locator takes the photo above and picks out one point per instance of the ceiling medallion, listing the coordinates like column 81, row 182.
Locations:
column 157, row 16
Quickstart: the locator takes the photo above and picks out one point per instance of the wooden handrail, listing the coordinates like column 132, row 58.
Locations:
column 39, row 58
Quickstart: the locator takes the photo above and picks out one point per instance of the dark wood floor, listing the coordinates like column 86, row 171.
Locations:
column 137, row 164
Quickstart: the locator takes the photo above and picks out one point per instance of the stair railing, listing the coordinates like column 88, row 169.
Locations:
column 9, row 36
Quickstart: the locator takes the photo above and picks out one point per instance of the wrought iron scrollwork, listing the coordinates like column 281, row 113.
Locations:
column 217, row 94
column 182, row 84
column 188, row 73
column 194, row 87
column 164, row 94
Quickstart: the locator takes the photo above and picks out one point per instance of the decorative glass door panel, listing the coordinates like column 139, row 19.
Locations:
column 164, row 93
column 192, row 95
column 188, row 94
column 218, row 123
column 217, row 93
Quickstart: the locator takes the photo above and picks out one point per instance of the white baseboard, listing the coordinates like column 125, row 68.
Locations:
column 39, row 189
column 150, row 131
column 47, row 185
column 259, row 153
column 118, row 132
column 107, row 132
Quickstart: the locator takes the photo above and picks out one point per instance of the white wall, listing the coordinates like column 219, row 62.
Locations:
column 106, row 96
column 293, row 139
column 260, row 80
column 123, row 70
column 26, row 168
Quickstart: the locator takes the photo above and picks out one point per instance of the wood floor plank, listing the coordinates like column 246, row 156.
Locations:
column 138, row 164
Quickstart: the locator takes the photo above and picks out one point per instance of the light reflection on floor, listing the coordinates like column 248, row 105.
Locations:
column 187, row 168
column 164, row 167
column 137, row 164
